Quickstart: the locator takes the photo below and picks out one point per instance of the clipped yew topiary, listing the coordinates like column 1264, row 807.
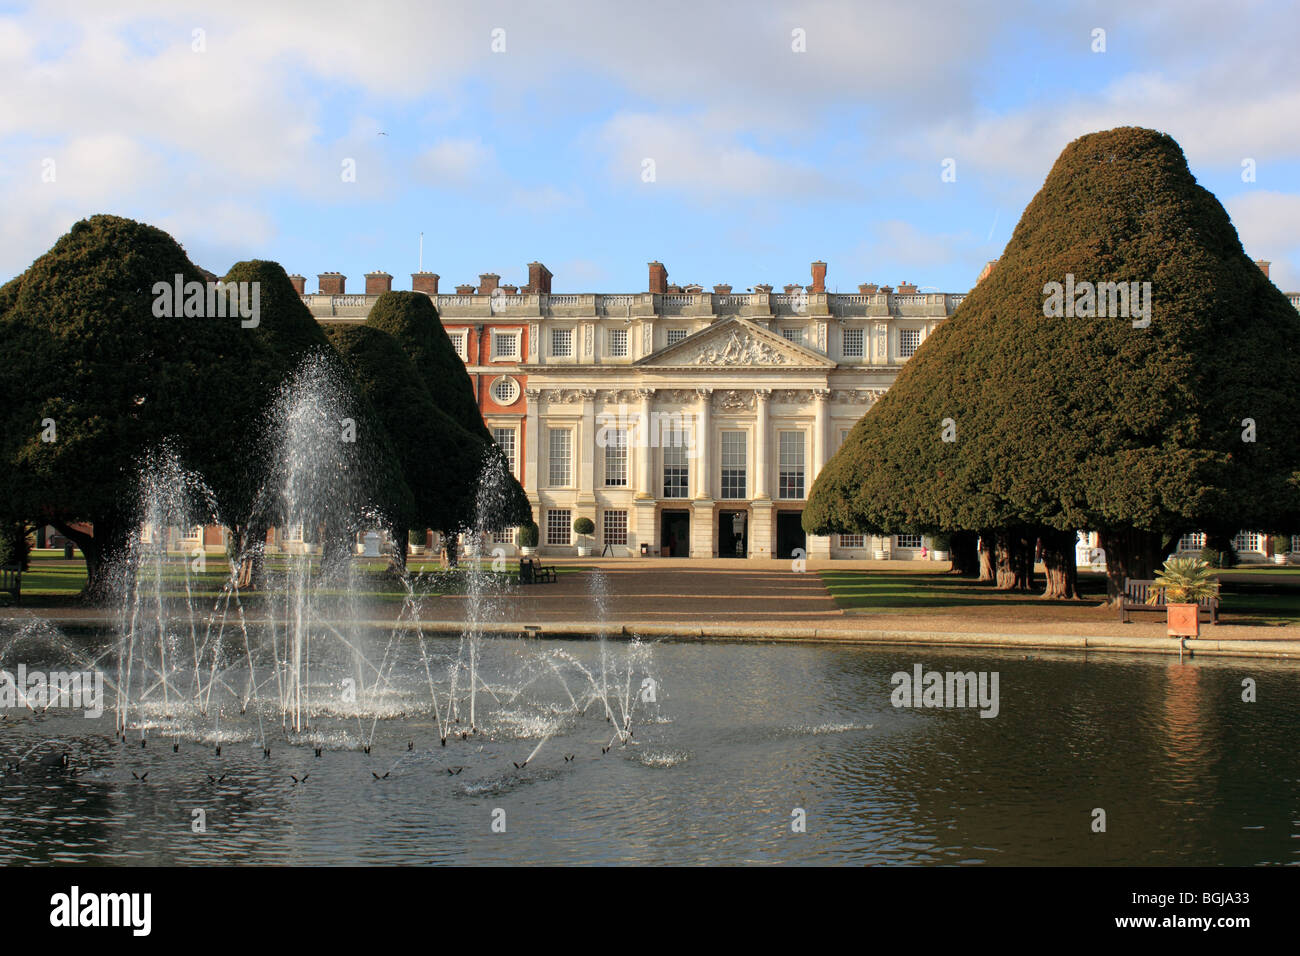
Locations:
column 1140, row 430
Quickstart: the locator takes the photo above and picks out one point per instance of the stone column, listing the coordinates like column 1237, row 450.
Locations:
column 645, row 453
column 703, row 542
column 761, row 525
column 644, row 502
column 761, row 398
column 821, row 436
column 703, row 444
column 587, row 452
column 532, row 438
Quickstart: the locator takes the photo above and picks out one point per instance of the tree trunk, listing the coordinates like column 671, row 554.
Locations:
column 1004, row 561
column 1024, row 543
column 986, row 542
column 249, row 556
column 1130, row 553
column 965, row 557
column 1059, row 564
column 397, row 560
column 336, row 548
column 106, row 540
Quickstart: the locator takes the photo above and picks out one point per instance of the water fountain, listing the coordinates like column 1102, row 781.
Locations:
column 304, row 653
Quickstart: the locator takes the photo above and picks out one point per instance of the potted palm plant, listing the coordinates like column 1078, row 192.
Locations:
column 1184, row 581
column 583, row 527
column 526, row 537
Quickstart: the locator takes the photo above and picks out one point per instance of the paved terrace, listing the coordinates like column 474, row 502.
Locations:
column 767, row 600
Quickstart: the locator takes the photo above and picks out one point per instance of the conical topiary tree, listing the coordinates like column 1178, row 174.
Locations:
column 1024, row 425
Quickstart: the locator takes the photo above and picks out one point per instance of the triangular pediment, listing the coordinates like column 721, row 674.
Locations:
column 736, row 342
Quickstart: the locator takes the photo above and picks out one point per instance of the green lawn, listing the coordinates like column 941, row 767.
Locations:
column 1263, row 595
column 54, row 582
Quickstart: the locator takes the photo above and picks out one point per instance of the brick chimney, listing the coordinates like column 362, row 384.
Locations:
column 377, row 283
column 906, row 288
column 792, row 288
column 299, row 283
column 986, row 270
column 539, row 279
column 465, row 289
column 867, row 288
column 488, row 282
column 510, row 289
column 722, row 289
column 819, row 277
column 658, row 278
column 332, row 283
column 1263, row 266
column 763, row 288
column 426, row 282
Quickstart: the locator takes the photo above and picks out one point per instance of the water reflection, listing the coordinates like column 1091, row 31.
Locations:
column 1186, row 772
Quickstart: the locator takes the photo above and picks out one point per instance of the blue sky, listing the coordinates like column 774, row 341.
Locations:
column 765, row 156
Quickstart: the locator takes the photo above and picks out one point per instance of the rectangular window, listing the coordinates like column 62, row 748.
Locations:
column 505, row 536
column 676, row 465
column 562, row 343
column 853, row 541
column 505, row 439
column 618, row 343
column 458, row 340
column 734, row 461
column 1192, row 542
column 616, row 458
column 561, row 457
column 1248, row 541
column 909, row 340
column 854, row 343
column 791, row 465
column 557, row 526
column 793, row 335
column 676, row 335
column 505, row 345
column 906, row 541
column 615, row 527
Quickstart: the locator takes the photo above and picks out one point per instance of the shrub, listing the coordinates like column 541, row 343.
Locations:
column 1227, row 558
column 415, row 538
column 1185, row 580
column 941, row 541
column 527, row 535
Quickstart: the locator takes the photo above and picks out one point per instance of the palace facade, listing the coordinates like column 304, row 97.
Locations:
column 681, row 421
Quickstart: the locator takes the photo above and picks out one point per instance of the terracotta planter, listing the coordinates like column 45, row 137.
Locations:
column 1182, row 620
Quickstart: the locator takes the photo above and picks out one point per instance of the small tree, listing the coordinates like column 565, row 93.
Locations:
column 527, row 535
column 583, row 527
column 1185, row 580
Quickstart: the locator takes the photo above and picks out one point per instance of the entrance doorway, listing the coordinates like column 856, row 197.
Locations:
column 789, row 534
column 733, row 534
column 675, row 534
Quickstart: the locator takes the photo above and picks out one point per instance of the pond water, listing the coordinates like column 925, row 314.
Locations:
column 728, row 743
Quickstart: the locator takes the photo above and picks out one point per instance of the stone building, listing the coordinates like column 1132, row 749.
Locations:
column 681, row 421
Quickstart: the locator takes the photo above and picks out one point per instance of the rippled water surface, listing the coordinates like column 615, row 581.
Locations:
column 739, row 736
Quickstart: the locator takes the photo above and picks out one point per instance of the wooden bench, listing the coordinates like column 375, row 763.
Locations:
column 11, row 580
column 1135, row 595
column 532, row 572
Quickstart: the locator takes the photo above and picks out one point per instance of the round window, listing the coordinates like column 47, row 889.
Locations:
column 505, row 390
